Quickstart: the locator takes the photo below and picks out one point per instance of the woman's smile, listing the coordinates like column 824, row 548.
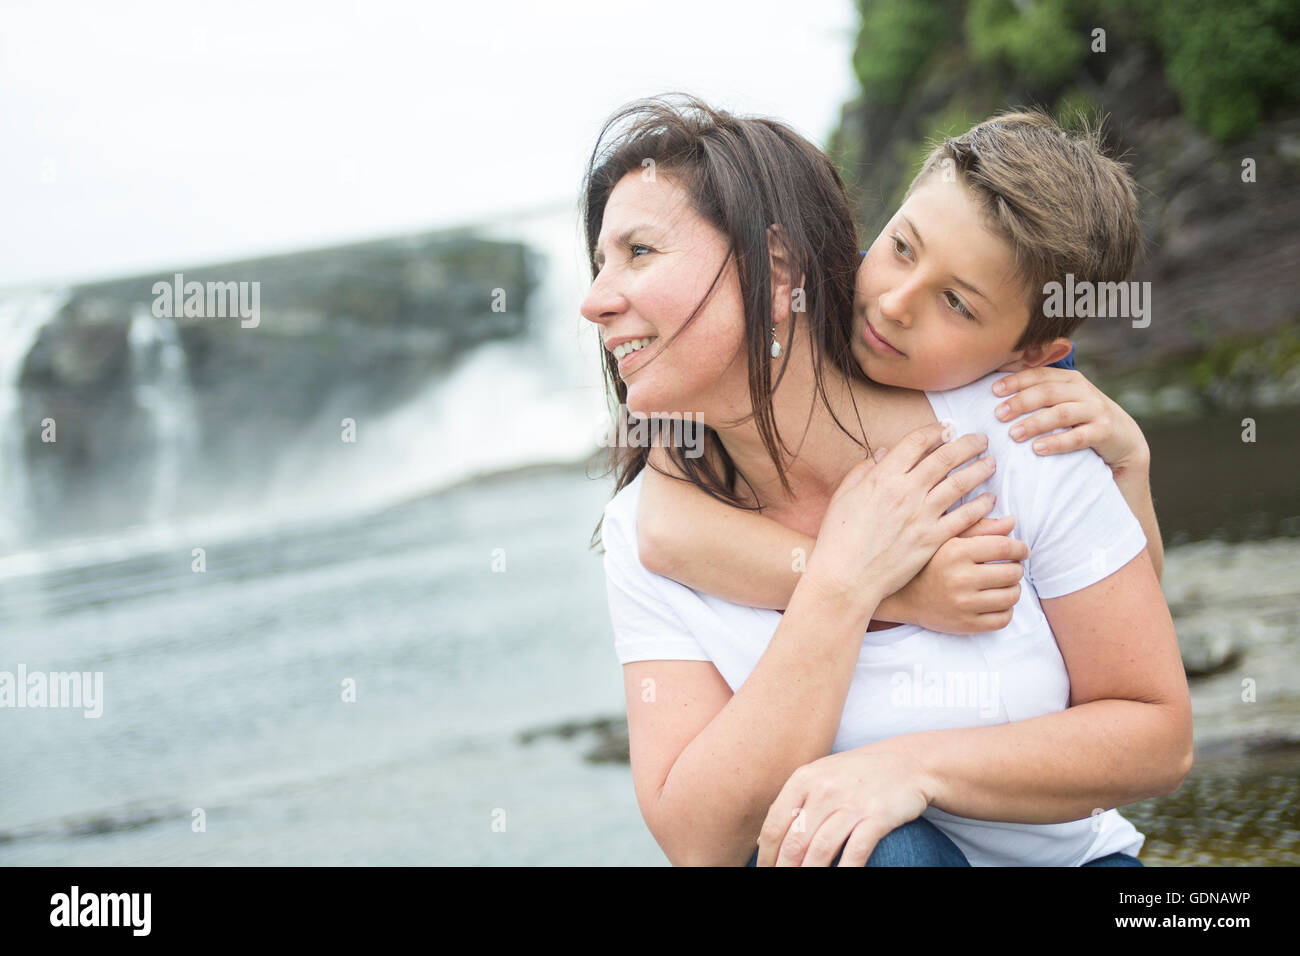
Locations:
column 628, row 359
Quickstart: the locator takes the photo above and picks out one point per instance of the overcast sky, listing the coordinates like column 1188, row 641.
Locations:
column 146, row 135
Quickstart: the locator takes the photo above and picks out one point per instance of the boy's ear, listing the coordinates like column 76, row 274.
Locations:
column 783, row 284
column 1043, row 354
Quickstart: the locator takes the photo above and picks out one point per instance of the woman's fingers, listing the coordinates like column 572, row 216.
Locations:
column 932, row 470
column 860, row 845
column 960, row 483
column 828, row 839
column 966, row 515
column 854, row 476
column 916, row 445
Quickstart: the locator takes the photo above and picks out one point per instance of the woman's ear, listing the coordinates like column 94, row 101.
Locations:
column 787, row 297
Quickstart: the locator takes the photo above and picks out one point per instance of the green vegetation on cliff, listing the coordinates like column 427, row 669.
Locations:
column 1229, row 61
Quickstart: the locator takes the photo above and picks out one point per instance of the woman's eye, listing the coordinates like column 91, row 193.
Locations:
column 957, row 305
column 900, row 246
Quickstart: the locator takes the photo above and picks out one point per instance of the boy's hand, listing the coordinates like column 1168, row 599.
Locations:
column 957, row 592
column 1071, row 401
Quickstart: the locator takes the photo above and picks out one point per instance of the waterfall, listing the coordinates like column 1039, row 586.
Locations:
column 161, row 387
column 22, row 316
column 505, row 404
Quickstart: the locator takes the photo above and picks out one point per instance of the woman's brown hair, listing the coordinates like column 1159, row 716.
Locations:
column 742, row 175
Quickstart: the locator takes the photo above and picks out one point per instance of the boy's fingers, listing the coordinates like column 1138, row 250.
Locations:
column 1003, row 574
column 1058, row 416
column 997, row 599
column 1023, row 379
column 1072, row 440
column 1039, row 395
column 1017, row 381
column 997, row 547
column 993, row 622
column 989, row 526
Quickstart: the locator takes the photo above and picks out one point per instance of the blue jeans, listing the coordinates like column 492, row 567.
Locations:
column 920, row 843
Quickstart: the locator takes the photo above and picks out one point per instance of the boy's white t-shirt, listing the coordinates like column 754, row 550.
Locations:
column 908, row 679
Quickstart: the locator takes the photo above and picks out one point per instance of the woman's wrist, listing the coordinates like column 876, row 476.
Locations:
column 911, row 749
column 843, row 595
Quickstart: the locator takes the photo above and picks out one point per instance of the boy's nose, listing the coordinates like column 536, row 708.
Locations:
column 895, row 307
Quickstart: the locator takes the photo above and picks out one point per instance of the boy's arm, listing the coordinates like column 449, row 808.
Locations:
column 740, row 556
column 1134, row 483
column 1068, row 400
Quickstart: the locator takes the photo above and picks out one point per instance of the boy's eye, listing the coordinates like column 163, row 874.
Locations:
column 957, row 306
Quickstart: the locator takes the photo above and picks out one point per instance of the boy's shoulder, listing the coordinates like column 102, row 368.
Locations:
column 973, row 407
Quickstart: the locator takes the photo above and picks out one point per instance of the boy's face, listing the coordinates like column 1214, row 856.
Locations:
column 937, row 305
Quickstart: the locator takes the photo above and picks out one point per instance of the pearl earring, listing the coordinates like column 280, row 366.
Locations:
column 776, row 346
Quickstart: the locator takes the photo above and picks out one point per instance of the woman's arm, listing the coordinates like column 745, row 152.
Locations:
column 740, row 556
column 1126, row 736
column 707, row 763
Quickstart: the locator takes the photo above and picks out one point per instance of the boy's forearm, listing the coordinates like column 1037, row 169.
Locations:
column 756, row 570
column 1135, row 485
column 759, row 570
column 784, row 715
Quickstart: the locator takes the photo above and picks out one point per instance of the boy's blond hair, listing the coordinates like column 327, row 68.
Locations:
column 1060, row 203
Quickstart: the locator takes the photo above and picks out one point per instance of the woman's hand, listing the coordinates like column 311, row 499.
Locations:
column 886, row 519
column 1071, row 401
column 856, row 796
column 972, row 583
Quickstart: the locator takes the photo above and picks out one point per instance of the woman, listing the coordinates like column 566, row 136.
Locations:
column 722, row 761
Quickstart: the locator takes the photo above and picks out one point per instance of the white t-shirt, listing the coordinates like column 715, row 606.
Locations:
column 908, row 679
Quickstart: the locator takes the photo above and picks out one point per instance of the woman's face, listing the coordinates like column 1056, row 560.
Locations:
column 656, row 258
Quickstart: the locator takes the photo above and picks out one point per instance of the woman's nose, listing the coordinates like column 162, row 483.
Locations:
column 603, row 301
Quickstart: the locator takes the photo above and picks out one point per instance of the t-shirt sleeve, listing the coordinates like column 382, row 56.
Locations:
column 1081, row 529
column 646, row 627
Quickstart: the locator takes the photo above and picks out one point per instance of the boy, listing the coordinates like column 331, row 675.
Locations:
column 951, row 291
